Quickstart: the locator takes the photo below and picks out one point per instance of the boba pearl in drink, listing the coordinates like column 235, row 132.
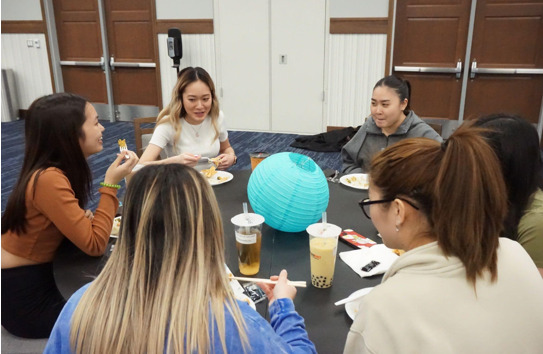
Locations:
column 323, row 248
column 248, row 230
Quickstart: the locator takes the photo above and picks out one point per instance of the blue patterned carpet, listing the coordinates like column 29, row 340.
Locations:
column 243, row 143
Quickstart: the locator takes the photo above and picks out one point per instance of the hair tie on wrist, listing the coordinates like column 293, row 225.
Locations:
column 116, row 186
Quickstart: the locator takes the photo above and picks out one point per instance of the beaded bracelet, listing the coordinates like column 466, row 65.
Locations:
column 116, row 186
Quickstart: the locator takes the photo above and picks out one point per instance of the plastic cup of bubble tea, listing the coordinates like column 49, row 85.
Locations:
column 257, row 157
column 323, row 240
column 248, row 229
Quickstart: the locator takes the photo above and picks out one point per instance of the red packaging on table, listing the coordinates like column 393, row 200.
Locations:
column 354, row 239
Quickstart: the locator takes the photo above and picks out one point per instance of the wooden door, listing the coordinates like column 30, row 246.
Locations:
column 430, row 40
column 507, row 35
column 131, row 40
column 130, row 57
column 506, row 45
column 79, row 40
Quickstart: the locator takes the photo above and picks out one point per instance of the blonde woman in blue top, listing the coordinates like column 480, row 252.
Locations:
column 165, row 288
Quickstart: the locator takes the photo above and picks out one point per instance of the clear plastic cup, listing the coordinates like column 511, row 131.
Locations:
column 323, row 240
column 248, row 229
column 257, row 157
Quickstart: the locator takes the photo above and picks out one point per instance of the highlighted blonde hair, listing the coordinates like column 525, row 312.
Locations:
column 175, row 111
column 164, row 288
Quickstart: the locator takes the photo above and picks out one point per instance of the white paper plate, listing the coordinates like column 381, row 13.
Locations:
column 225, row 177
column 355, row 180
column 352, row 307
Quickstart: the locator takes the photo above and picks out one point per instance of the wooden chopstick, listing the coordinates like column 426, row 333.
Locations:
column 299, row 284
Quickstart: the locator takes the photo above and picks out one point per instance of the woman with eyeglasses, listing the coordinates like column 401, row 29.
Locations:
column 459, row 288
column 191, row 129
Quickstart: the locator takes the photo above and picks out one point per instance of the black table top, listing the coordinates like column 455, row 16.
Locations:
column 326, row 324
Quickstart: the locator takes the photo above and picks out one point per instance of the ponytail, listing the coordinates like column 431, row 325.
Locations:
column 458, row 186
column 470, row 202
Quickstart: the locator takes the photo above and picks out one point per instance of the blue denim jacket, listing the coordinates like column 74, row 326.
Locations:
column 286, row 334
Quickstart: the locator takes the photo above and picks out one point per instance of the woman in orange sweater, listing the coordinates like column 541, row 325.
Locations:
column 47, row 204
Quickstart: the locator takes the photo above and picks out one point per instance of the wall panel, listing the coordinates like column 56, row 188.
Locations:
column 198, row 50
column 30, row 65
column 356, row 62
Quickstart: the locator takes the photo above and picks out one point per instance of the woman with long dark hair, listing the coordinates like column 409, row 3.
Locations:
column 516, row 143
column 165, row 288
column 47, row 204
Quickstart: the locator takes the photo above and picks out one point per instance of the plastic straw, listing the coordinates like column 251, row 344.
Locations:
column 247, row 217
column 324, row 220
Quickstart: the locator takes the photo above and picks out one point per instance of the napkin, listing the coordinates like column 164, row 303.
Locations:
column 357, row 259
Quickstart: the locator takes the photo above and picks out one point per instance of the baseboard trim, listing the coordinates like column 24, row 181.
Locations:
column 329, row 128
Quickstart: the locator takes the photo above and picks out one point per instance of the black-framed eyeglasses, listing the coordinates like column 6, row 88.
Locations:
column 365, row 204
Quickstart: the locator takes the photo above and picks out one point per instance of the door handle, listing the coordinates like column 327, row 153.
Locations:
column 432, row 69
column 502, row 71
column 83, row 63
column 113, row 64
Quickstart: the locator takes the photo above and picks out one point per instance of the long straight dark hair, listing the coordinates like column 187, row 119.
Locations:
column 53, row 128
column 516, row 143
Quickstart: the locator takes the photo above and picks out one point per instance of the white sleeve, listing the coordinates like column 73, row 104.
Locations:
column 223, row 133
column 162, row 135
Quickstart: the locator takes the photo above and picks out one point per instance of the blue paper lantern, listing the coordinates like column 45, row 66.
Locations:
column 289, row 190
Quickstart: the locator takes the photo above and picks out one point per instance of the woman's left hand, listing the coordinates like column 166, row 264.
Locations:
column 281, row 290
column 226, row 160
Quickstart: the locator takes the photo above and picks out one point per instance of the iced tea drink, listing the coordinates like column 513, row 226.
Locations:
column 248, row 245
column 257, row 157
column 248, row 230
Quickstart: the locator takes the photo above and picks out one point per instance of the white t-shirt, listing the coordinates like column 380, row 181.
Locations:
column 194, row 139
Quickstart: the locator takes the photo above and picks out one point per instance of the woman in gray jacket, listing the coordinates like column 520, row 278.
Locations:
column 391, row 120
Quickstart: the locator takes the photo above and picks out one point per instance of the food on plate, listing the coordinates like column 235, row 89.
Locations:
column 358, row 181
column 351, row 179
column 216, row 161
column 210, row 172
column 116, row 226
column 223, row 178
